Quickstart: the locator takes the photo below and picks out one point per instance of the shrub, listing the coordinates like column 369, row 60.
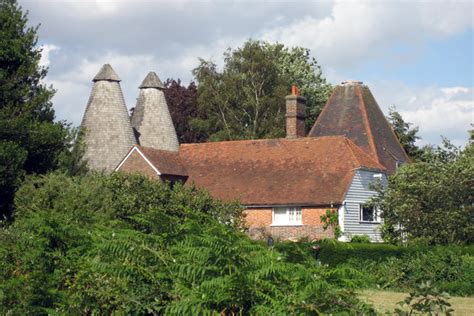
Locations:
column 450, row 269
column 127, row 245
column 360, row 239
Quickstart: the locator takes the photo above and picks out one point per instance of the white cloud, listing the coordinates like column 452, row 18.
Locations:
column 355, row 32
column 446, row 111
column 46, row 51
column 140, row 36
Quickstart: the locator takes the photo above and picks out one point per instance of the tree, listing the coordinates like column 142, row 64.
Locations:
column 302, row 70
column 247, row 99
column 431, row 199
column 29, row 137
column 182, row 102
column 406, row 135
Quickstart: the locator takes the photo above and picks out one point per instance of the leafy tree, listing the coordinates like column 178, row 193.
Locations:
column 182, row 102
column 28, row 133
column 431, row 199
column 406, row 135
column 247, row 99
column 301, row 69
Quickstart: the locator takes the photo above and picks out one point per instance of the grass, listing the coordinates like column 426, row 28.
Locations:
column 386, row 301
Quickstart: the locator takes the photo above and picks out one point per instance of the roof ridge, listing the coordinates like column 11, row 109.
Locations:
column 368, row 128
column 393, row 133
column 156, row 149
column 323, row 110
column 306, row 138
column 346, row 141
column 353, row 147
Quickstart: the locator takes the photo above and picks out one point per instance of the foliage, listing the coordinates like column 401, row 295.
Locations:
column 382, row 266
column 303, row 71
column 127, row 245
column 431, row 200
column 360, row 239
column 247, row 99
column 426, row 300
column 71, row 160
column 331, row 219
column 406, row 135
column 182, row 102
column 27, row 126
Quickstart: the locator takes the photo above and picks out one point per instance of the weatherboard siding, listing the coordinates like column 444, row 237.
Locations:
column 360, row 191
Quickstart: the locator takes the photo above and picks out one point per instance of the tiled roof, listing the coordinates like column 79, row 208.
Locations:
column 353, row 112
column 167, row 162
column 303, row 171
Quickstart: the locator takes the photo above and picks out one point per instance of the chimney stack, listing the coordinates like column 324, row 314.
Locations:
column 295, row 114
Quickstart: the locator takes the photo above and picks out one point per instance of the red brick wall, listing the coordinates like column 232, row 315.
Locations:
column 259, row 220
column 136, row 164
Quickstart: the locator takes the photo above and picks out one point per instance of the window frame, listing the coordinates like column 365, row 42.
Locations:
column 298, row 221
column 376, row 215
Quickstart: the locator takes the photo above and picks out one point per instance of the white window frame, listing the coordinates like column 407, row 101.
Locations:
column 294, row 216
column 376, row 211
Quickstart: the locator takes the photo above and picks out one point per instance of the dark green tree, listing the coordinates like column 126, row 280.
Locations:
column 247, row 99
column 30, row 140
column 405, row 133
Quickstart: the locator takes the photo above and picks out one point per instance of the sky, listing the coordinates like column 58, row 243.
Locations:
column 414, row 55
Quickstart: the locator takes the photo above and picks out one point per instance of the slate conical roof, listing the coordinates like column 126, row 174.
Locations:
column 353, row 112
column 151, row 119
column 108, row 133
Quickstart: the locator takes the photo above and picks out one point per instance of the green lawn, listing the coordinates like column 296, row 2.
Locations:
column 385, row 301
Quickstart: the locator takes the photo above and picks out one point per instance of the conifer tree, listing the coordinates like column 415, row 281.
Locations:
column 30, row 140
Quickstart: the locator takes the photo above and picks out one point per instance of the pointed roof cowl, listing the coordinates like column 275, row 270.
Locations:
column 106, row 73
column 152, row 81
column 352, row 111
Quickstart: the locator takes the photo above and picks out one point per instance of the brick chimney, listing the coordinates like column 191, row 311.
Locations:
column 295, row 114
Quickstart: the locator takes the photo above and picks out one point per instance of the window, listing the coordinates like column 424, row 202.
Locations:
column 369, row 214
column 378, row 176
column 286, row 216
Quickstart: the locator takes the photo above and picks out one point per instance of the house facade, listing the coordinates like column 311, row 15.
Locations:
column 285, row 184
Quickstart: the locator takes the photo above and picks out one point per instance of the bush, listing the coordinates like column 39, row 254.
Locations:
column 360, row 239
column 128, row 245
column 450, row 269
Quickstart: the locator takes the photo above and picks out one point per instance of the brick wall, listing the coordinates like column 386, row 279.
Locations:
column 136, row 164
column 259, row 220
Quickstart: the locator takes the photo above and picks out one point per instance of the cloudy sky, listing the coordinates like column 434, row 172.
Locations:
column 417, row 56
